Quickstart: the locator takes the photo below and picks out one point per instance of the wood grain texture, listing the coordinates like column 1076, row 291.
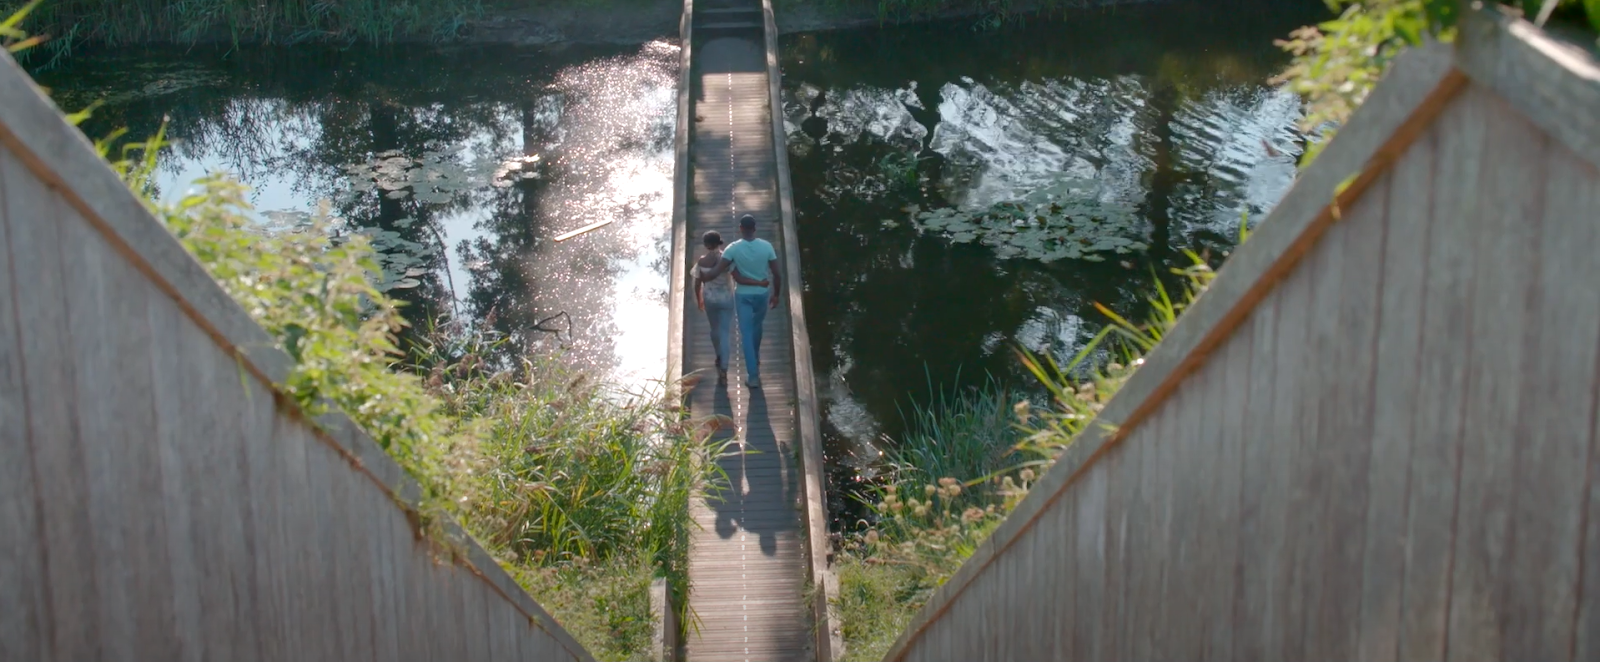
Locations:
column 161, row 500
column 1545, row 566
column 1438, row 408
column 1573, row 210
column 1506, row 222
column 1394, row 389
column 1337, row 448
column 23, row 605
column 1552, row 83
column 34, row 216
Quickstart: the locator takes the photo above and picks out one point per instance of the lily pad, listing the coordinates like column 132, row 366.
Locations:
column 1064, row 221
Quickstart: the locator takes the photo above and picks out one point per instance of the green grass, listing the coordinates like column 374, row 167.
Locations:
column 116, row 22
column 580, row 487
column 606, row 606
column 864, row 589
column 965, row 434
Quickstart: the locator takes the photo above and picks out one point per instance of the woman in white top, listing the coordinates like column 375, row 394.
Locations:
column 715, row 297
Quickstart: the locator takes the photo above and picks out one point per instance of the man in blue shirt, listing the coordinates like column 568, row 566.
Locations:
column 756, row 269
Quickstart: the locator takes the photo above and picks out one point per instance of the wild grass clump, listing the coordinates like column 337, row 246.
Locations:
column 962, row 434
column 580, row 487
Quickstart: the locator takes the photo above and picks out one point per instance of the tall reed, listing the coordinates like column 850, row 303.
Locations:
column 964, row 433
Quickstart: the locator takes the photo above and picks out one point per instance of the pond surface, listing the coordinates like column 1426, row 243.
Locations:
column 1156, row 123
column 1159, row 117
column 464, row 165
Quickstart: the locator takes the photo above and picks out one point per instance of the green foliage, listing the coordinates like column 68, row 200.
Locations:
column 605, row 606
column 12, row 38
column 571, row 469
column 869, row 604
column 578, row 487
column 966, row 435
column 1337, row 63
column 899, row 171
column 315, row 298
column 116, row 22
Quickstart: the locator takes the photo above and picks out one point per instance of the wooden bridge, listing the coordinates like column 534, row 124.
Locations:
column 762, row 540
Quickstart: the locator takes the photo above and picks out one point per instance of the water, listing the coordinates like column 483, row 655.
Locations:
column 466, row 163
column 1164, row 110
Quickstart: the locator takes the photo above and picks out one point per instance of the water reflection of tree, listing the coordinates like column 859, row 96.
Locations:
column 498, row 264
column 310, row 113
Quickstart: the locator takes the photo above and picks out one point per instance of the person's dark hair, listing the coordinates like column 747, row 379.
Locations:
column 747, row 222
column 711, row 239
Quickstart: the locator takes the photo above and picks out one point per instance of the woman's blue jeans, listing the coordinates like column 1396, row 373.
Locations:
column 752, row 312
column 720, row 314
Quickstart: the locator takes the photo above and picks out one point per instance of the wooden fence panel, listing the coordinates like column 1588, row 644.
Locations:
column 1394, row 387
column 159, row 500
column 1549, row 471
column 1373, row 438
column 1567, row 272
column 22, row 568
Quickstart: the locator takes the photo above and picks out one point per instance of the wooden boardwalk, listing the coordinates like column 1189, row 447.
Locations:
column 749, row 564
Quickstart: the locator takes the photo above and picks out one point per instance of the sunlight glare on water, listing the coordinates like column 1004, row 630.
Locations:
column 614, row 146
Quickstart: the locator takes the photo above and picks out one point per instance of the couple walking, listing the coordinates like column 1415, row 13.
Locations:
column 752, row 264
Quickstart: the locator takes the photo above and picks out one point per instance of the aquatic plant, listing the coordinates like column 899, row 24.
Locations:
column 435, row 177
column 899, row 171
column 1064, row 221
column 962, row 434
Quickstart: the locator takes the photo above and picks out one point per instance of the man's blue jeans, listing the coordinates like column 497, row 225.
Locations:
column 752, row 309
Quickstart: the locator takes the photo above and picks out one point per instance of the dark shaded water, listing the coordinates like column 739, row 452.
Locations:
column 1164, row 109
column 464, row 164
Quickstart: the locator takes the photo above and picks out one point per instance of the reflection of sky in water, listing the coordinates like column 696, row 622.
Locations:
column 614, row 147
column 603, row 131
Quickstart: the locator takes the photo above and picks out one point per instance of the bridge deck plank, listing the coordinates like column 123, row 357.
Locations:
column 747, row 560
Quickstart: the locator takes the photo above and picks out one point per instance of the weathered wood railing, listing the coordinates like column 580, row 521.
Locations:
column 1374, row 437
column 158, row 499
